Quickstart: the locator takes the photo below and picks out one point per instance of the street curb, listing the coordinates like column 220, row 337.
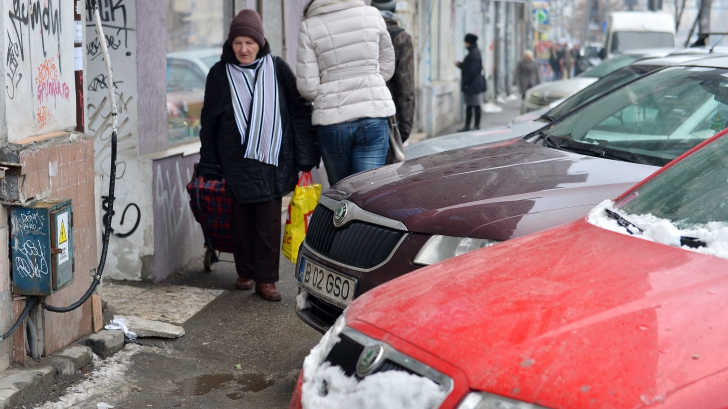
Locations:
column 22, row 383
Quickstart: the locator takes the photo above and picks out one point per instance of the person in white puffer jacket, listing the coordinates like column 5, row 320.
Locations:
column 345, row 58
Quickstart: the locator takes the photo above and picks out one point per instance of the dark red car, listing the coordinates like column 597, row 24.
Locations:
column 624, row 309
column 384, row 223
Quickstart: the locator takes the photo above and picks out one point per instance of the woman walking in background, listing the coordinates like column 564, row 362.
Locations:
column 345, row 57
column 527, row 73
column 473, row 82
column 257, row 128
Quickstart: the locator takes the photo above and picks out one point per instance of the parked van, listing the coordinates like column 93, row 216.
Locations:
column 632, row 30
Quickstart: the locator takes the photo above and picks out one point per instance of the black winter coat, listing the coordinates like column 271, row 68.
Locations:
column 472, row 67
column 248, row 180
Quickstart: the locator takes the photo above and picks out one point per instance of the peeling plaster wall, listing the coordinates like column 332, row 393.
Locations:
column 133, row 175
column 39, row 69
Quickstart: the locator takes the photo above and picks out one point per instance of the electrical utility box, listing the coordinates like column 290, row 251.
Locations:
column 41, row 247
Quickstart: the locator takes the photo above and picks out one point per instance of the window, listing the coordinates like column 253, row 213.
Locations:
column 195, row 35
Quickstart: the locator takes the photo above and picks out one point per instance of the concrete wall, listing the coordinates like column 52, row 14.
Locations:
column 38, row 70
column 178, row 238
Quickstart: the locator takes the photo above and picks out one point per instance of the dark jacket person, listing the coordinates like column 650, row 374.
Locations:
column 473, row 81
column 402, row 84
column 257, row 127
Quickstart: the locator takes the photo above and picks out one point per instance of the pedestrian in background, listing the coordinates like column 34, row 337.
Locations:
column 257, row 128
column 555, row 62
column 473, row 82
column 345, row 57
column 527, row 73
column 567, row 61
column 402, row 84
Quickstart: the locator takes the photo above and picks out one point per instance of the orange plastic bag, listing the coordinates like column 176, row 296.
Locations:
column 304, row 201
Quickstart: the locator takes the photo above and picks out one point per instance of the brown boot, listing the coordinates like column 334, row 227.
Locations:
column 244, row 284
column 268, row 292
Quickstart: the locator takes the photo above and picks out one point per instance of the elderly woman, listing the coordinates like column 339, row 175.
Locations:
column 257, row 128
column 345, row 58
column 527, row 73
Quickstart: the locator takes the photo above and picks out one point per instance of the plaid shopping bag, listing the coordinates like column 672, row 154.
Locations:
column 212, row 208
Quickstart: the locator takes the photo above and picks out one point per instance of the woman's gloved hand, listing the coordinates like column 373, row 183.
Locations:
column 305, row 168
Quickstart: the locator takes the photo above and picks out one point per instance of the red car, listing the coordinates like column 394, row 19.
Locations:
column 627, row 308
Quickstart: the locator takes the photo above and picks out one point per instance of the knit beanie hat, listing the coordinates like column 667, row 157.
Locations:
column 471, row 39
column 247, row 23
column 385, row 5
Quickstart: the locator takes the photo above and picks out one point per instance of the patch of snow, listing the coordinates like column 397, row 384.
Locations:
column 713, row 234
column 302, row 301
column 327, row 387
column 331, row 389
column 107, row 381
column 491, row 108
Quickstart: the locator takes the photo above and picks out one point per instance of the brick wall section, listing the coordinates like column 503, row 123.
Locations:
column 65, row 169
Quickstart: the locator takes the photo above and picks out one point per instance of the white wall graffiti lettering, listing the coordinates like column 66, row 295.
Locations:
column 31, row 262
column 38, row 67
column 29, row 223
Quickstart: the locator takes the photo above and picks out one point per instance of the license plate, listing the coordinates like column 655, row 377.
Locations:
column 330, row 285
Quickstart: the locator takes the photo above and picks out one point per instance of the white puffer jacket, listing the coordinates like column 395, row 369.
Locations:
column 345, row 57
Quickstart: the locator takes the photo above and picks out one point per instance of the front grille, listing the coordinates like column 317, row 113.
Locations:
column 345, row 354
column 393, row 366
column 324, row 311
column 359, row 244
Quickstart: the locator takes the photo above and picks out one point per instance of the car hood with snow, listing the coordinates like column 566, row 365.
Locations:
column 575, row 316
column 494, row 191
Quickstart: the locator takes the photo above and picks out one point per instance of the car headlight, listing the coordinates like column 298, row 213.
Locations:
column 480, row 400
column 439, row 248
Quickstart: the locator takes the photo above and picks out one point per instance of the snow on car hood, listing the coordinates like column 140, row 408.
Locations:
column 575, row 316
column 327, row 387
column 494, row 191
column 713, row 234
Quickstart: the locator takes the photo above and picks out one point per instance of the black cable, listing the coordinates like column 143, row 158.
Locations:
column 105, row 243
column 29, row 304
column 112, row 183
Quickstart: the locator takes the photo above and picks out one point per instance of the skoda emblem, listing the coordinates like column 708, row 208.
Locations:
column 369, row 360
column 340, row 215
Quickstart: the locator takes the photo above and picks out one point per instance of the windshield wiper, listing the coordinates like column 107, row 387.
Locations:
column 691, row 242
column 598, row 154
column 547, row 117
column 623, row 222
column 547, row 138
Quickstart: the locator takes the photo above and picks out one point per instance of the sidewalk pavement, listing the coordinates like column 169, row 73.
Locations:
column 41, row 379
column 510, row 107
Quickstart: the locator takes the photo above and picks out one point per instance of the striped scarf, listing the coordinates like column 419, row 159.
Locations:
column 254, row 91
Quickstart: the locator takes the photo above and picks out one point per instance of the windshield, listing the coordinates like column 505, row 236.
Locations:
column 611, row 65
column 600, row 87
column 632, row 40
column 690, row 193
column 651, row 120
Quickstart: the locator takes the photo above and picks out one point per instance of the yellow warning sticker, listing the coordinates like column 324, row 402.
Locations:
column 62, row 237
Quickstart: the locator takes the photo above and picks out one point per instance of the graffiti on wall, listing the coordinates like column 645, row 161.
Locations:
column 38, row 65
column 170, row 194
column 120, row 36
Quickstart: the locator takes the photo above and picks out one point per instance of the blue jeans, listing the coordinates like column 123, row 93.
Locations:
column 353, row 147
